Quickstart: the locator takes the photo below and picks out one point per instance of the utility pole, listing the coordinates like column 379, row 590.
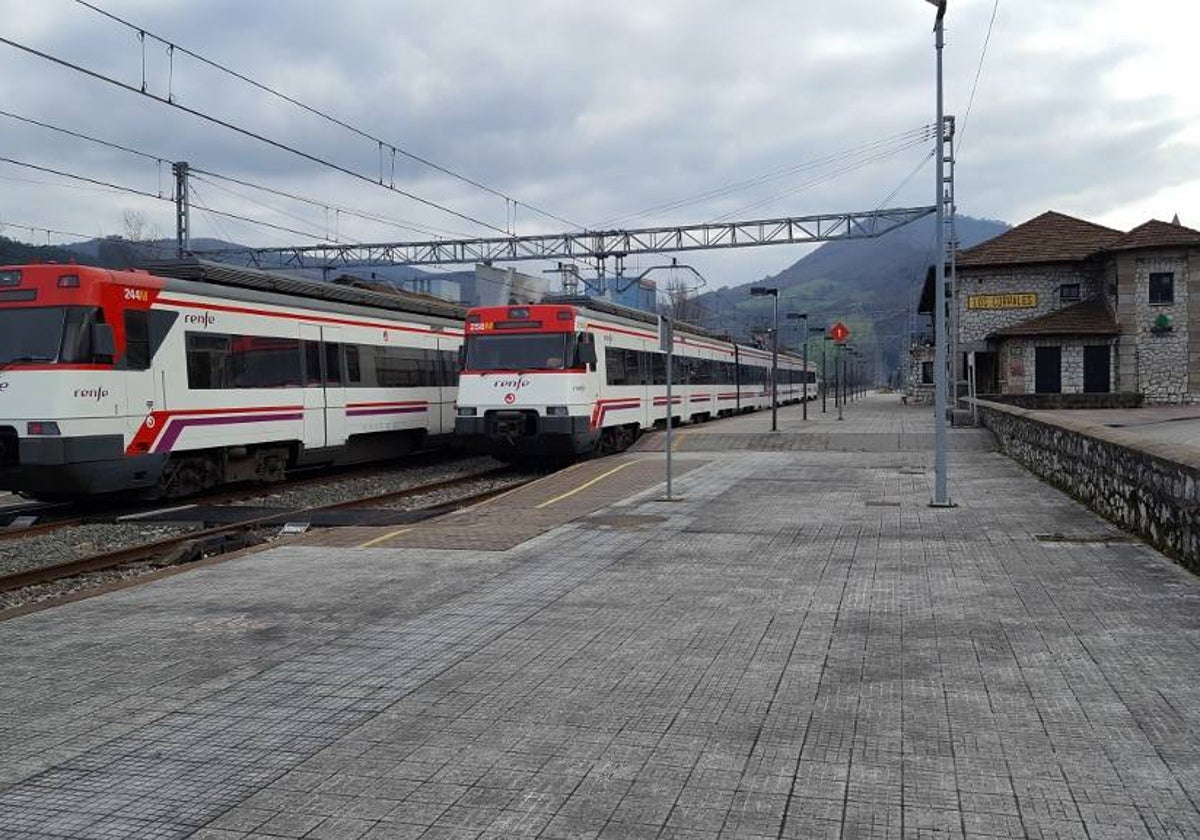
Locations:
column 941, row 497
column 183, row 239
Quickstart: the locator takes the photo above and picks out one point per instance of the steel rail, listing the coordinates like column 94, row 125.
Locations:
column 156, row 549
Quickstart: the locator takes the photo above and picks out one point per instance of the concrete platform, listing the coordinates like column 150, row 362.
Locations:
column 798, row 647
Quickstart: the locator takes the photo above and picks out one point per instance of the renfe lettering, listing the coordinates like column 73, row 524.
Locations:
column 512, row 384
column 203, row 320
column 96, row 394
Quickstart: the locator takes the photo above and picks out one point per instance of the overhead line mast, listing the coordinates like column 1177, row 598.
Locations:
column 594, row 245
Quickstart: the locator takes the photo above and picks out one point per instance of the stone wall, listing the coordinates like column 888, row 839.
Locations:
column 1161, row 357
column 1018, row 369
column 917, row 391
column 1147, row 487
column 1044, row 280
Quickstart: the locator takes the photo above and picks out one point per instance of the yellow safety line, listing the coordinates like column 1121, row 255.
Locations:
column 587, row 484
column 678, row 440
column 384, row 538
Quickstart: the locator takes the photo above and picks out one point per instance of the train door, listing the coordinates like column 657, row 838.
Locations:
column 442, row 422
column 314, row 388
column 141, row 393
column 335, row 387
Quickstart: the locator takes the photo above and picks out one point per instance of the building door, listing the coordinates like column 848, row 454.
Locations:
column 1047, row 377
column 1096, row 369
column 987, row 373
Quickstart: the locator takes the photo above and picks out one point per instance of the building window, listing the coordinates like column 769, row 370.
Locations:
column 1068, row 292
column 926, row 373
column 1162, row 287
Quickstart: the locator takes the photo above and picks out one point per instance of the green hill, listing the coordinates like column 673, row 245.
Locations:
column 870, row 285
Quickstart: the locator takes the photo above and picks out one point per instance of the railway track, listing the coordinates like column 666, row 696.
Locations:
column 69, row 514
column 196, row 545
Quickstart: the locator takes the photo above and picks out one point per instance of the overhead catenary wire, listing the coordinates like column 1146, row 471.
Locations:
column 962, row 129
column 192, row 178
column 194, row 170
column 84, row 178
column 383, row 145
column 923, row 132
column 41, row 229
column 261, row 223
column 875, row 158
column 248, row 133
column 145, row 194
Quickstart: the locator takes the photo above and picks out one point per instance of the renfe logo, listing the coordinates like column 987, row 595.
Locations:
column 512, row 384
column 203, row 320
column 3, row 386
column 96, row 394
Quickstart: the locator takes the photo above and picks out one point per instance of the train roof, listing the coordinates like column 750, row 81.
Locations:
column 609, row 308
column 221, row 274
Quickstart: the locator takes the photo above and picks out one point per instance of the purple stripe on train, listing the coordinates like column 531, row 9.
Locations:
column 365, row 412
column 177, row 425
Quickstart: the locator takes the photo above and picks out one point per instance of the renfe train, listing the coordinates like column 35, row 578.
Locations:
column 167, row 385
column 574, row 376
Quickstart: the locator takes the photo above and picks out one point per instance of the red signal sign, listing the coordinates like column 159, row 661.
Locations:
column 839, row 331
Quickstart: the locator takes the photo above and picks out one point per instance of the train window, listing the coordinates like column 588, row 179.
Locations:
column 614, row 366
column 449, row 367
column 402, row 367
column 263, row 362
column 353, row 369
column 312, row 364
column 137, row 339
column 31, row 335
column 333, row 363
column 76, row 334
column 528, row 351
column 206, row 357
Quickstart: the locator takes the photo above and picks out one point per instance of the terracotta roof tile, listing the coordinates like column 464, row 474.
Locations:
column 1048, row 238
column 1089, row 317
column 1156, row 234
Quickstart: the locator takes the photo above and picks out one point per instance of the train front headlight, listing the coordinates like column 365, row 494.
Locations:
column 42, row 427
column 467, row 411
column 556, row 411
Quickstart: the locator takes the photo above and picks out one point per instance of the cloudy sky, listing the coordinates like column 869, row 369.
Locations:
column 625, row 113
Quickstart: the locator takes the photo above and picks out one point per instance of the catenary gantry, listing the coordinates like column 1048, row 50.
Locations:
column 589, row 244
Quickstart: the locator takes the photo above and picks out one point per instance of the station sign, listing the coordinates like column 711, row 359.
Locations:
column 1016, row 300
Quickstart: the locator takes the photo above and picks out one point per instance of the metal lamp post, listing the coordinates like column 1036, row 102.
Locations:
column 840, row 366
column 758, row 291
column 803, row 316
column 940, row 495
column 824, row 376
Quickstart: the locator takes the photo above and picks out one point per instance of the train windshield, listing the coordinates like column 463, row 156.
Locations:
column 517, row 351
column 46, row 334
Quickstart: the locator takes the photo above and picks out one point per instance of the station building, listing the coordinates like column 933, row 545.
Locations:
column 1063, row 306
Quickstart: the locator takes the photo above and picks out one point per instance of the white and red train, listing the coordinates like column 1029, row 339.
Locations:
column 167, row 385
column 576, row 376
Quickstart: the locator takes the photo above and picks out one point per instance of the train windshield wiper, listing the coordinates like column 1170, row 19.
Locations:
column 18, row 359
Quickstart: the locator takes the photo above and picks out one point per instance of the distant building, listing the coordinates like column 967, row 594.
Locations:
column 490, row 286
column 636, row 294
column 1060, row 305
column 446, row 288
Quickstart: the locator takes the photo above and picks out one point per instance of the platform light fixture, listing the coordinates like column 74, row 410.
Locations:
column 759, row 291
